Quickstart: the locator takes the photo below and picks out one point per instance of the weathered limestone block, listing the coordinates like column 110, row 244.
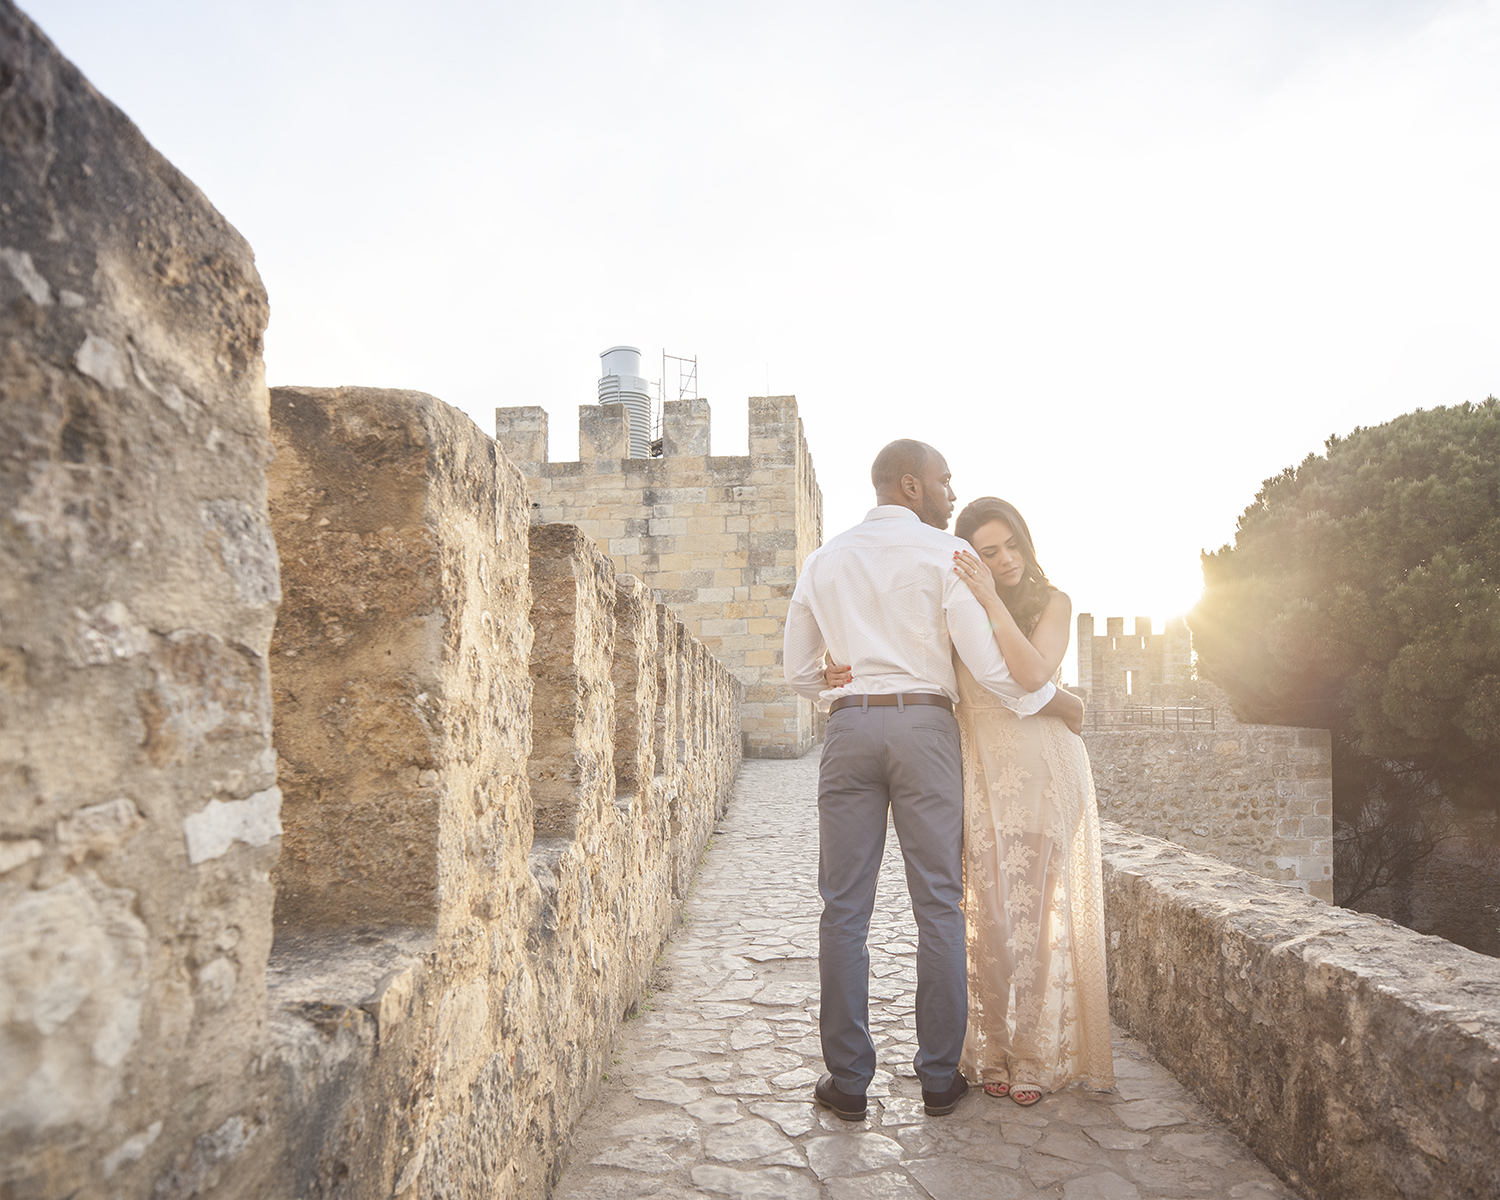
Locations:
column 685, row 428
column 522, row 432
column 1358, row 1059
column 573, row 603
column 670, row 637
column 1257, row 796
column 401, row 657
column 633, row 674
column 604, row 433
column 402, row 706
column 138, row 588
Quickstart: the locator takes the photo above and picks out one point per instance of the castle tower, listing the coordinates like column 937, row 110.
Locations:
column 720, row 539
column 1120, row 670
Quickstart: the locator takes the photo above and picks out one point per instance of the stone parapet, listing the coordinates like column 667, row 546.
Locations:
column 1358, row 1059
column 138, row 590
column 1257, row 796
column 719, row 539
column 473, row 702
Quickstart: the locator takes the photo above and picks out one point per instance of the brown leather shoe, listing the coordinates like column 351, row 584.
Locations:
column 845, row 1106
column 940, row 1104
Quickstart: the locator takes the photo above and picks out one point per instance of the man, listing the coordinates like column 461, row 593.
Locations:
column 884, row 598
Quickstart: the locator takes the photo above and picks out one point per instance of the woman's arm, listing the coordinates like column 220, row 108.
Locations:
column 1032, row 662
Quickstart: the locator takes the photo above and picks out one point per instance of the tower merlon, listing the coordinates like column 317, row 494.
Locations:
column 603, row 431
column 522, row 433
column 685, row 428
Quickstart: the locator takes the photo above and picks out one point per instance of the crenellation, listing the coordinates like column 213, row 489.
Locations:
column 1217, row 786
column 573, row 601
column 139, row 587
column 356, row 814
column 698, row 529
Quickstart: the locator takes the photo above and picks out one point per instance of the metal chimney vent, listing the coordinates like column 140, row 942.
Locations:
column 622, row 384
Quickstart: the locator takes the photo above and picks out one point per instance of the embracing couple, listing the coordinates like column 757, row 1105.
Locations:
column 936, row 656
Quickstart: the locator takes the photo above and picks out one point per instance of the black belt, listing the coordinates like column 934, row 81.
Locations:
column 900, row 699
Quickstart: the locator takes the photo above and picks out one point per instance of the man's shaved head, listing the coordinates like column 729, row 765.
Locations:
column 915, row 476
column 902, row 457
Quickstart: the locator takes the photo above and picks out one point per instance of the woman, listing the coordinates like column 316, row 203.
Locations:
column 1033, row 890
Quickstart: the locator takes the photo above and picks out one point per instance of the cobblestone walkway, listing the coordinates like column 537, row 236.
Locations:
column 711, row 1089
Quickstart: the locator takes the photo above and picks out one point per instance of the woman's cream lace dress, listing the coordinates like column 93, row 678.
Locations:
column 1033, row 899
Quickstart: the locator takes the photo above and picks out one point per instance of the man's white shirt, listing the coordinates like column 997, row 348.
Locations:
column 884, row 598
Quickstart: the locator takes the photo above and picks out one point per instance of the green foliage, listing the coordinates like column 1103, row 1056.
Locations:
column 1362, row 594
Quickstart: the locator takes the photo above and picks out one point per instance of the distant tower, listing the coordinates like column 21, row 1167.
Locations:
column 622, row 384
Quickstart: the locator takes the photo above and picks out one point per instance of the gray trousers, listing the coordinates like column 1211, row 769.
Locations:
column 905, row 763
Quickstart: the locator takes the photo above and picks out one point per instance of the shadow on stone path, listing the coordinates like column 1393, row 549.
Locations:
column 710, row 1092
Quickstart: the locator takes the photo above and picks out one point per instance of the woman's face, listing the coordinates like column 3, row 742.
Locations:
column 1000, row 550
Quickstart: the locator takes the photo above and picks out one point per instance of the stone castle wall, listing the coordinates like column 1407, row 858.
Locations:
column 138, row 589
column 394, row 961
column 501, row 763
column 720, row 539
column 1257, row 796
column 1359, row 1060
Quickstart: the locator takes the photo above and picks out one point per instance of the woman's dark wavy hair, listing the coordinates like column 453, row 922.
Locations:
column 1034, row 590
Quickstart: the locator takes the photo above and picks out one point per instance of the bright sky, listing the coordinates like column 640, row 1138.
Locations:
column 1119, row 261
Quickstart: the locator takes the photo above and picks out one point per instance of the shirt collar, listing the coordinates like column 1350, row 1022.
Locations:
column 891, row 512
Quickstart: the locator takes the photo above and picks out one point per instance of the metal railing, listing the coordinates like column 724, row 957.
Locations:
column 1143, row 716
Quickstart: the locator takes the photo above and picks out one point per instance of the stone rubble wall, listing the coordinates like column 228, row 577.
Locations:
column 720, row 539
column 1257, row 796
column 1358, row 1059
column 138, row 589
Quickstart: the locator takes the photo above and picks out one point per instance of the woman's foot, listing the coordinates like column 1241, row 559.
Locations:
column 1025, row 1096
column 997, row 1089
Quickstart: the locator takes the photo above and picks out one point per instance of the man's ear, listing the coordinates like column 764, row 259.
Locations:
column 911, row 487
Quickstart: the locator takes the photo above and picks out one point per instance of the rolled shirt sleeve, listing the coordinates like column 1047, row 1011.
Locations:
column 802, row 652
column 969, row 627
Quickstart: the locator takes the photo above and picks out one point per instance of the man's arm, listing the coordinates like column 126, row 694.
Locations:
column 802, row 652
column 969, row 628
column 1067, row 706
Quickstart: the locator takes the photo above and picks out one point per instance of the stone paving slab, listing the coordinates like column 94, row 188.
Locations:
column 710, row 1092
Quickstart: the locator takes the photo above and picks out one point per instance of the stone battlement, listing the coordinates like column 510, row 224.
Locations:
column 349, row 787
column 1257, row 796
column 1117, row 669
column 719, row 539
column 343, row 809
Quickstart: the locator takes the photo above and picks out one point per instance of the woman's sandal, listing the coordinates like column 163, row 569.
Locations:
column 1025, row 1096
column 997, row 1089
